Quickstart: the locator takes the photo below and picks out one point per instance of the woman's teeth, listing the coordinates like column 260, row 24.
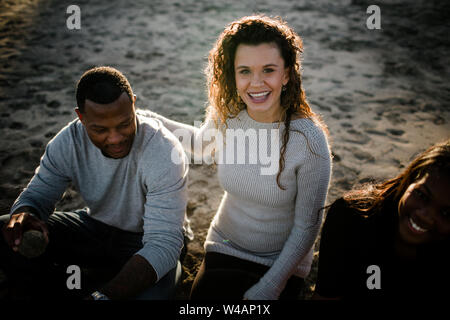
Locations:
column 259, row 95
column 416, row 227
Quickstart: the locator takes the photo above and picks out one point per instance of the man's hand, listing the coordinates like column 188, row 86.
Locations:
column 18, row 224
column 136, row 276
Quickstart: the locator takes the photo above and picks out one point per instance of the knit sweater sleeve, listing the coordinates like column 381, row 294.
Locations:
column 51, row 177
column 197, row 141
column 313, row 178
column 165, row 206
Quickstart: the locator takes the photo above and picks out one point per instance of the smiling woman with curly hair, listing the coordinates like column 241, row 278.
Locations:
column 260, row 243
column 224, row 97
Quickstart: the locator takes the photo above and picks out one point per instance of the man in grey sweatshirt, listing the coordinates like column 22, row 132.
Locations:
column 122, row 166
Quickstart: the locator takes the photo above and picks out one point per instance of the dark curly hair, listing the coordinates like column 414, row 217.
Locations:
column 224, row 102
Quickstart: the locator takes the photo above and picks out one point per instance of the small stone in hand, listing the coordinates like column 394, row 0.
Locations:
column 33, row 244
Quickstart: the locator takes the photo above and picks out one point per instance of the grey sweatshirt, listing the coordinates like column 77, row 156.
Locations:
column 256, row 220
column 142, row 192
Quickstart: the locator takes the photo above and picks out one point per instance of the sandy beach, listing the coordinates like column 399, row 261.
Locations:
column 383, row 93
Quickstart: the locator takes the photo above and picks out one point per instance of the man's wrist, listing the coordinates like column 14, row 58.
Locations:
column 97, row 295
column 26, row 209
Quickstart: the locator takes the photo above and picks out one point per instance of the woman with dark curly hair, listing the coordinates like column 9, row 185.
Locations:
column 260, row 242
column 390, row 240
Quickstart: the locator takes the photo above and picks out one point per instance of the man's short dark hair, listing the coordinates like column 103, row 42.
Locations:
column 102, row 85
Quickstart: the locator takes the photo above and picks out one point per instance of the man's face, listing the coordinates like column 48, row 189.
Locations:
column 111, row 127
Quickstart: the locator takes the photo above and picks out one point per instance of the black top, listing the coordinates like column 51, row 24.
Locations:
column 352, row 242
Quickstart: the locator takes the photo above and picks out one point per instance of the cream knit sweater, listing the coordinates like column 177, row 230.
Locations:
column 256, row 220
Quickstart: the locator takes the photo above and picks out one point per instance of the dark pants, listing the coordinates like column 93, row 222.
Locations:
column 75, row 238
column 223, row 277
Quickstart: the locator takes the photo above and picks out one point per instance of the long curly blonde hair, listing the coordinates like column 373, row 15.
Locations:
column 224, row 102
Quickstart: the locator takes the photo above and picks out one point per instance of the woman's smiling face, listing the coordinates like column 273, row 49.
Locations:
column 260, row 75
column 424, row 210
